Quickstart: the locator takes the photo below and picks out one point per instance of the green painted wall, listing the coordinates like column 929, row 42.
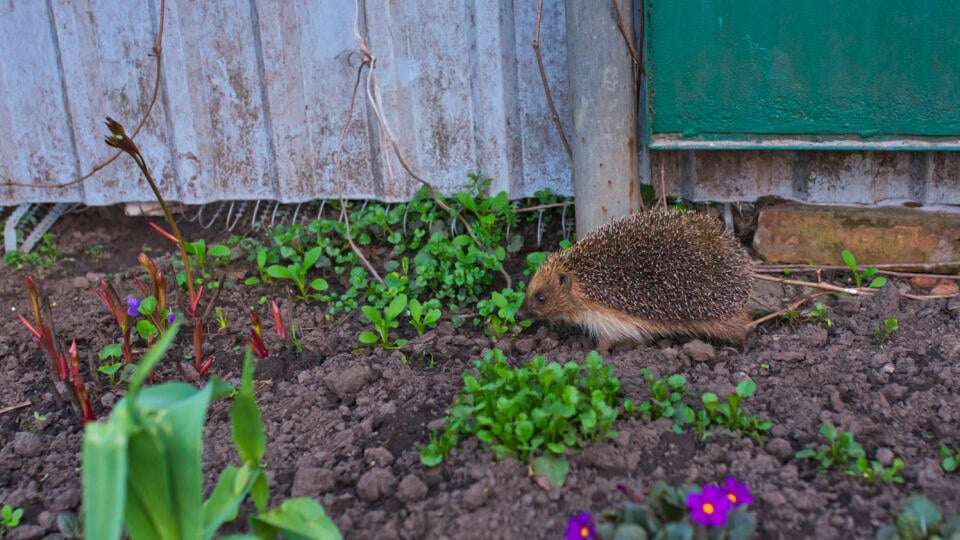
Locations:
column 815, row 69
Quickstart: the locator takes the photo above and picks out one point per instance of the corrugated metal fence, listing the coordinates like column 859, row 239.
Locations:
column 253, row 96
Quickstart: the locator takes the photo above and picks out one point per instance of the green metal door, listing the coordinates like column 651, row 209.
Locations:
column 838, row 74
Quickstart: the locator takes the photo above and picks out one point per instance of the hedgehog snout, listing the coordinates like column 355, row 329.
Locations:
column 527, row 310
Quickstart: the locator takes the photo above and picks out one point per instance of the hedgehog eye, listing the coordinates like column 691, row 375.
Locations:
column 541, row 298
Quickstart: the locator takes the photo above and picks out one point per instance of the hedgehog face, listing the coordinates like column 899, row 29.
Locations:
column 549, row 296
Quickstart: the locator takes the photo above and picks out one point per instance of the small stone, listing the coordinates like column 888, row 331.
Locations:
column 312, row 481
column 80, row 282
column 699, row 351
column 475, row 496
column 946, row 287
column 780, row 449
column 923, row 282
column 375, row 483
column 25, row 531
column 349, row 381
column 377, row 457
column 885, row 456
column 411, row 489
column 108, row 399
column 26, row 444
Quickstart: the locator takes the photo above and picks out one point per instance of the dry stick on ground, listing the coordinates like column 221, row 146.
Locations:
column 791, row 307
column 817, row 285
column 20, row 405
column 546, row 86
column 156, row 52
column 376, row 104
column 883, row 268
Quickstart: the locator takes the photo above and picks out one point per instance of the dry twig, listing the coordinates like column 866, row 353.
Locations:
column 546, row 85
column 156, row 52
column 20, row 405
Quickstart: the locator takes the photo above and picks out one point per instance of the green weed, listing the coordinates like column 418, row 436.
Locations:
column 949, row 459
column 665, row 400
column 840, row 450
column 383, row 322
column 858, row 276
column 730, row 415
column 540, row 410
column 920, row 520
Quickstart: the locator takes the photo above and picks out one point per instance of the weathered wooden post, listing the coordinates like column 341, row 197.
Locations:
column 603, row 101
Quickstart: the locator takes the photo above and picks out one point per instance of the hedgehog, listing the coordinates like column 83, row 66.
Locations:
column 647, row 275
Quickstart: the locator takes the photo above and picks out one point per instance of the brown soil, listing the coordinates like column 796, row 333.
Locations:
column 344, row 422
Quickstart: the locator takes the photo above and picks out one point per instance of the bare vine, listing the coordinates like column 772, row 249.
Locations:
column 368, row 61
column 546, row 86
column 156, row 52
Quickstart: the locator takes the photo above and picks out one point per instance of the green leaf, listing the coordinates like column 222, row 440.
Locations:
column 248, row 433
column 368, row 338
column 524, row 430
column 311, row 256
column 104, row 476
column 146, row 329
column 280, row 272
column 878, row 282
column 746, row 388
column 113, row 350
column 224, row 501
column 849, row 259
column 319, row 285
column 396, row 307
column 148, row 305
column 300, row 519
column 918, row 518
column 553, row 468
column 219, row 250
column 372, row 314
column 152, row 357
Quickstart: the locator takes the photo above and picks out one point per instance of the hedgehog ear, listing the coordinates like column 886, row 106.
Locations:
column 564, row 280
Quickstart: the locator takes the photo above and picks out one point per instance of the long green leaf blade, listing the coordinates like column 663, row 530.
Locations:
column 104, row 475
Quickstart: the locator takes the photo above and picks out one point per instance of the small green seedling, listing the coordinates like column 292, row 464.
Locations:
column 111, row 361
column 664, row 402
column 222, row 321
column 821, row 314
column 297, row 273
column 872, row 471
column 219, row 254
column 423, row 316
column 730, row 415
column 859, row 277
column 883, row 332
column 9, row 518
column 499, row 313
column 920, row 520
column 841, row 449
column 791, row 316
column 950, row 459
column 384, row 322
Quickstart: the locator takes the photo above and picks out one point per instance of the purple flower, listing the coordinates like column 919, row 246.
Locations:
column 737, row 493
column 133, row 306
column 580, row 527
column 710, row 507
column 171, row 317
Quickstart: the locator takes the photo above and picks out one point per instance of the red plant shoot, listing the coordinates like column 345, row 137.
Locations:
column 278, row 320
column 255, row 341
